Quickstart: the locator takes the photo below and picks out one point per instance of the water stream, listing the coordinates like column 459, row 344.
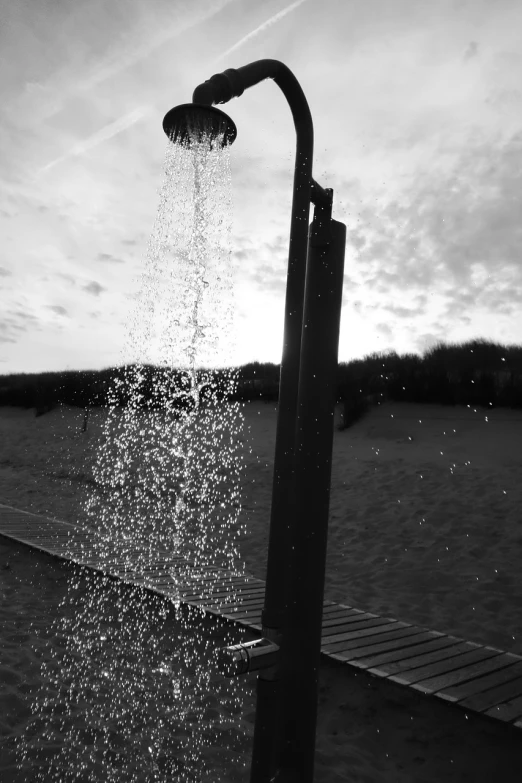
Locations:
column 133, row 693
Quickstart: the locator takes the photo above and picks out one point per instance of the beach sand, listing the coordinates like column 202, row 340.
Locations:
column 425, row 526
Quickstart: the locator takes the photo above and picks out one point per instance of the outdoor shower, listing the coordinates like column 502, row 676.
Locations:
column 288, row 655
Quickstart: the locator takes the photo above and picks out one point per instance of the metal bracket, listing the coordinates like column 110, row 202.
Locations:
column 320, row 234
column 248, row 657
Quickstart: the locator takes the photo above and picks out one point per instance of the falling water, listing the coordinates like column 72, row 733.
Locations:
column 138, row 680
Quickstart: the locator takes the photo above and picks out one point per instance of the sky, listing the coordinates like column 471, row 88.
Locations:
column 417, row 111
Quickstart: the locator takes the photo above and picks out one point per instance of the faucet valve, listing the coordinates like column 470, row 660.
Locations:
column 248, row 657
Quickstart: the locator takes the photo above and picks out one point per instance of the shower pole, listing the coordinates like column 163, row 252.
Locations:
column 286, row 707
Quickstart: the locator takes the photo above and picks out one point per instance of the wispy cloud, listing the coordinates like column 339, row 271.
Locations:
column 142, row 45
column 262, row 27
column 58, row 309
column 93, row 288
column 110, row 130
column 137, row 44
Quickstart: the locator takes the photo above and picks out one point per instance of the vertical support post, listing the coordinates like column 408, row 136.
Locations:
column 268, row 681
column 301, row 640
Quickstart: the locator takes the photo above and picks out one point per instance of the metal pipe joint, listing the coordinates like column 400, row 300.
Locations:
column 220, row 88
column 248, row 657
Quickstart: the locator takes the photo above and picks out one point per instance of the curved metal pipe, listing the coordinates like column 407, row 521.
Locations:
column 221, row 88
column 232, row 83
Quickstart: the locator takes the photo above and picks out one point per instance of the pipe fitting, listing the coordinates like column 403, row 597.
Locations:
column 251, row 656
column 220, row 88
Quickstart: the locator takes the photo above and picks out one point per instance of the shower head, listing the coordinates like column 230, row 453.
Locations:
column 192, row 122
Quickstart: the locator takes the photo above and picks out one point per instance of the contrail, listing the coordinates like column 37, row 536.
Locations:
column 138, row 46
column 102, row 135
column 260, row 29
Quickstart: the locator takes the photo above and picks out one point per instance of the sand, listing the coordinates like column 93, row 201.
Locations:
column 425, row 526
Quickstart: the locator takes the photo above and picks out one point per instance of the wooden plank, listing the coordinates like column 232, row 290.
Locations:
column 195, row 589
column 78, row 549
column 496, row 662
column 251, row 614
column 211, row 601
column 243, row 611
column 358, row 650
column 112, row 560
column 186, row 591
column 333, row 614
column 139, row 579
column 115, row 567
column 236, row 589
column 202, row 569
column 190, row 579
column 334, row 609
column 38, row 530
column 414, row 646
column 23, row 524
column 89, row 556
column 248, row 604
column 464, row 690
column 47, row 535
column 345, row 618
column 351, row 641
column 450, row 649
column 190, row 571
column 74, row 551
column 48, row 527
column 162, row 563
column 508, row 711
column 230, row 599
column 90, row 553
column 24, row 536
column 355, row 630
column 221, row 593
column 158, row 576
column 423, row 673
column 487, row 699
column 195, row 595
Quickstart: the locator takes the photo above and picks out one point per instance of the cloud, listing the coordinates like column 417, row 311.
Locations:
column 471, row 51
column 14, row 322
column 457, row 233
column 24, row 315
column 5, row 333
column 94, row 288
column 105, row 133
column 5, row 272
column 110, row 258
column 68, row 278
column 58, row 309
column 262, row 27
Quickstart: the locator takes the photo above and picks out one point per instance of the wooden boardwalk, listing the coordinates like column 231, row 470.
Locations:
column 472, row 676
